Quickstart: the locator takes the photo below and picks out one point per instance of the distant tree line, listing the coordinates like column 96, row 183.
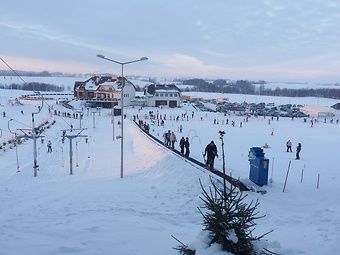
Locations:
column 25, row 73
column 38, row 74
column 257, row 88
column 34, row 86
column 324, row 92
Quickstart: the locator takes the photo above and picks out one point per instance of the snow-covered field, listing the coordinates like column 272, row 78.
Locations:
column 94, row 211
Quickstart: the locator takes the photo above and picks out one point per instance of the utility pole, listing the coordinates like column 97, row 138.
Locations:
column 35, row 135
column 35, row 158
column 15, row 144
column 113, row 122
column 94, row 118
column 71, row 136
column 80, row 116
column 222, row 133
column 88, row 140
column 62, row 153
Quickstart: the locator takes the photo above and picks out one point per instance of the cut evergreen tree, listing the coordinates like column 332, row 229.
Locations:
column 230, row 221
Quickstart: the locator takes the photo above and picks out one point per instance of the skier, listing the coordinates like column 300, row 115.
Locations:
column 49, row 146
column 187, row 145
column 289, row 146
column 181, row 145
column 211, row 152
column 298, row 149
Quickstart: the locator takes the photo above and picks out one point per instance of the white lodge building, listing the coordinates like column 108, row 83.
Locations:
column 104, row 91
column 158, row 95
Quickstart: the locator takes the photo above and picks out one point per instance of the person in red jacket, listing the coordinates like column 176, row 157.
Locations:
column 289, row 146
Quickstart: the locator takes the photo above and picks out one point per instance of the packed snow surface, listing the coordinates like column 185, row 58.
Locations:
column 95, row 211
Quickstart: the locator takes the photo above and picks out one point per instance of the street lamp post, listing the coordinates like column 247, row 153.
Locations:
column 122, row 104
column 222, row 133
column 113, row 122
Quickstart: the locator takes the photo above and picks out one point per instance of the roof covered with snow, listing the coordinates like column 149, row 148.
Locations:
column 317, row 109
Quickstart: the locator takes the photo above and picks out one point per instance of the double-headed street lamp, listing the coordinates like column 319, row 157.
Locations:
column 122, row 102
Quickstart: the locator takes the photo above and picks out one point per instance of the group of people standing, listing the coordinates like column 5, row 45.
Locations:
column 289, row 148
column 170, row 140
column 184, row 144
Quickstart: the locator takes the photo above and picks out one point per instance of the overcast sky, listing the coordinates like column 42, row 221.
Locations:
column 248, row 39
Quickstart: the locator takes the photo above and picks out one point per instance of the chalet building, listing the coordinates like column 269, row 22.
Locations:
column 104, row 91
column 157, row 95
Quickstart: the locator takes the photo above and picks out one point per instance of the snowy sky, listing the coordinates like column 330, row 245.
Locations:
column 265, row 39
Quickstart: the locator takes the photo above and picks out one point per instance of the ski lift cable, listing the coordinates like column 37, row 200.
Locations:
column 18, row 122
column 51, row 136
column 64, row 120
column 18, row 75
column 3, row 130
column 12, row 70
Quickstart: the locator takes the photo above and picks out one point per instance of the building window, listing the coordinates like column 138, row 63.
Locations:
column 156, row 94
column 175, row 95
column 161, row 94
column 170, row 95
column 166, row 94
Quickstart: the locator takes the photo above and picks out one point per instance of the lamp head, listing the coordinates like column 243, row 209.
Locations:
column 143, row 58
column 100, row 56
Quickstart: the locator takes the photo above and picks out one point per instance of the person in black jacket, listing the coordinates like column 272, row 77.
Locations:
column 211, row 152
column 187, row 145
column 298, row 149
column 181, row 145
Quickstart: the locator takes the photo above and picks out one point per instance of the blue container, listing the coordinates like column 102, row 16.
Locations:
column 256, row 152
column 258, row 166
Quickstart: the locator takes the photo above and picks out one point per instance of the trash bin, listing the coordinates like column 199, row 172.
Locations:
column 258, row 166
column 117, row 111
